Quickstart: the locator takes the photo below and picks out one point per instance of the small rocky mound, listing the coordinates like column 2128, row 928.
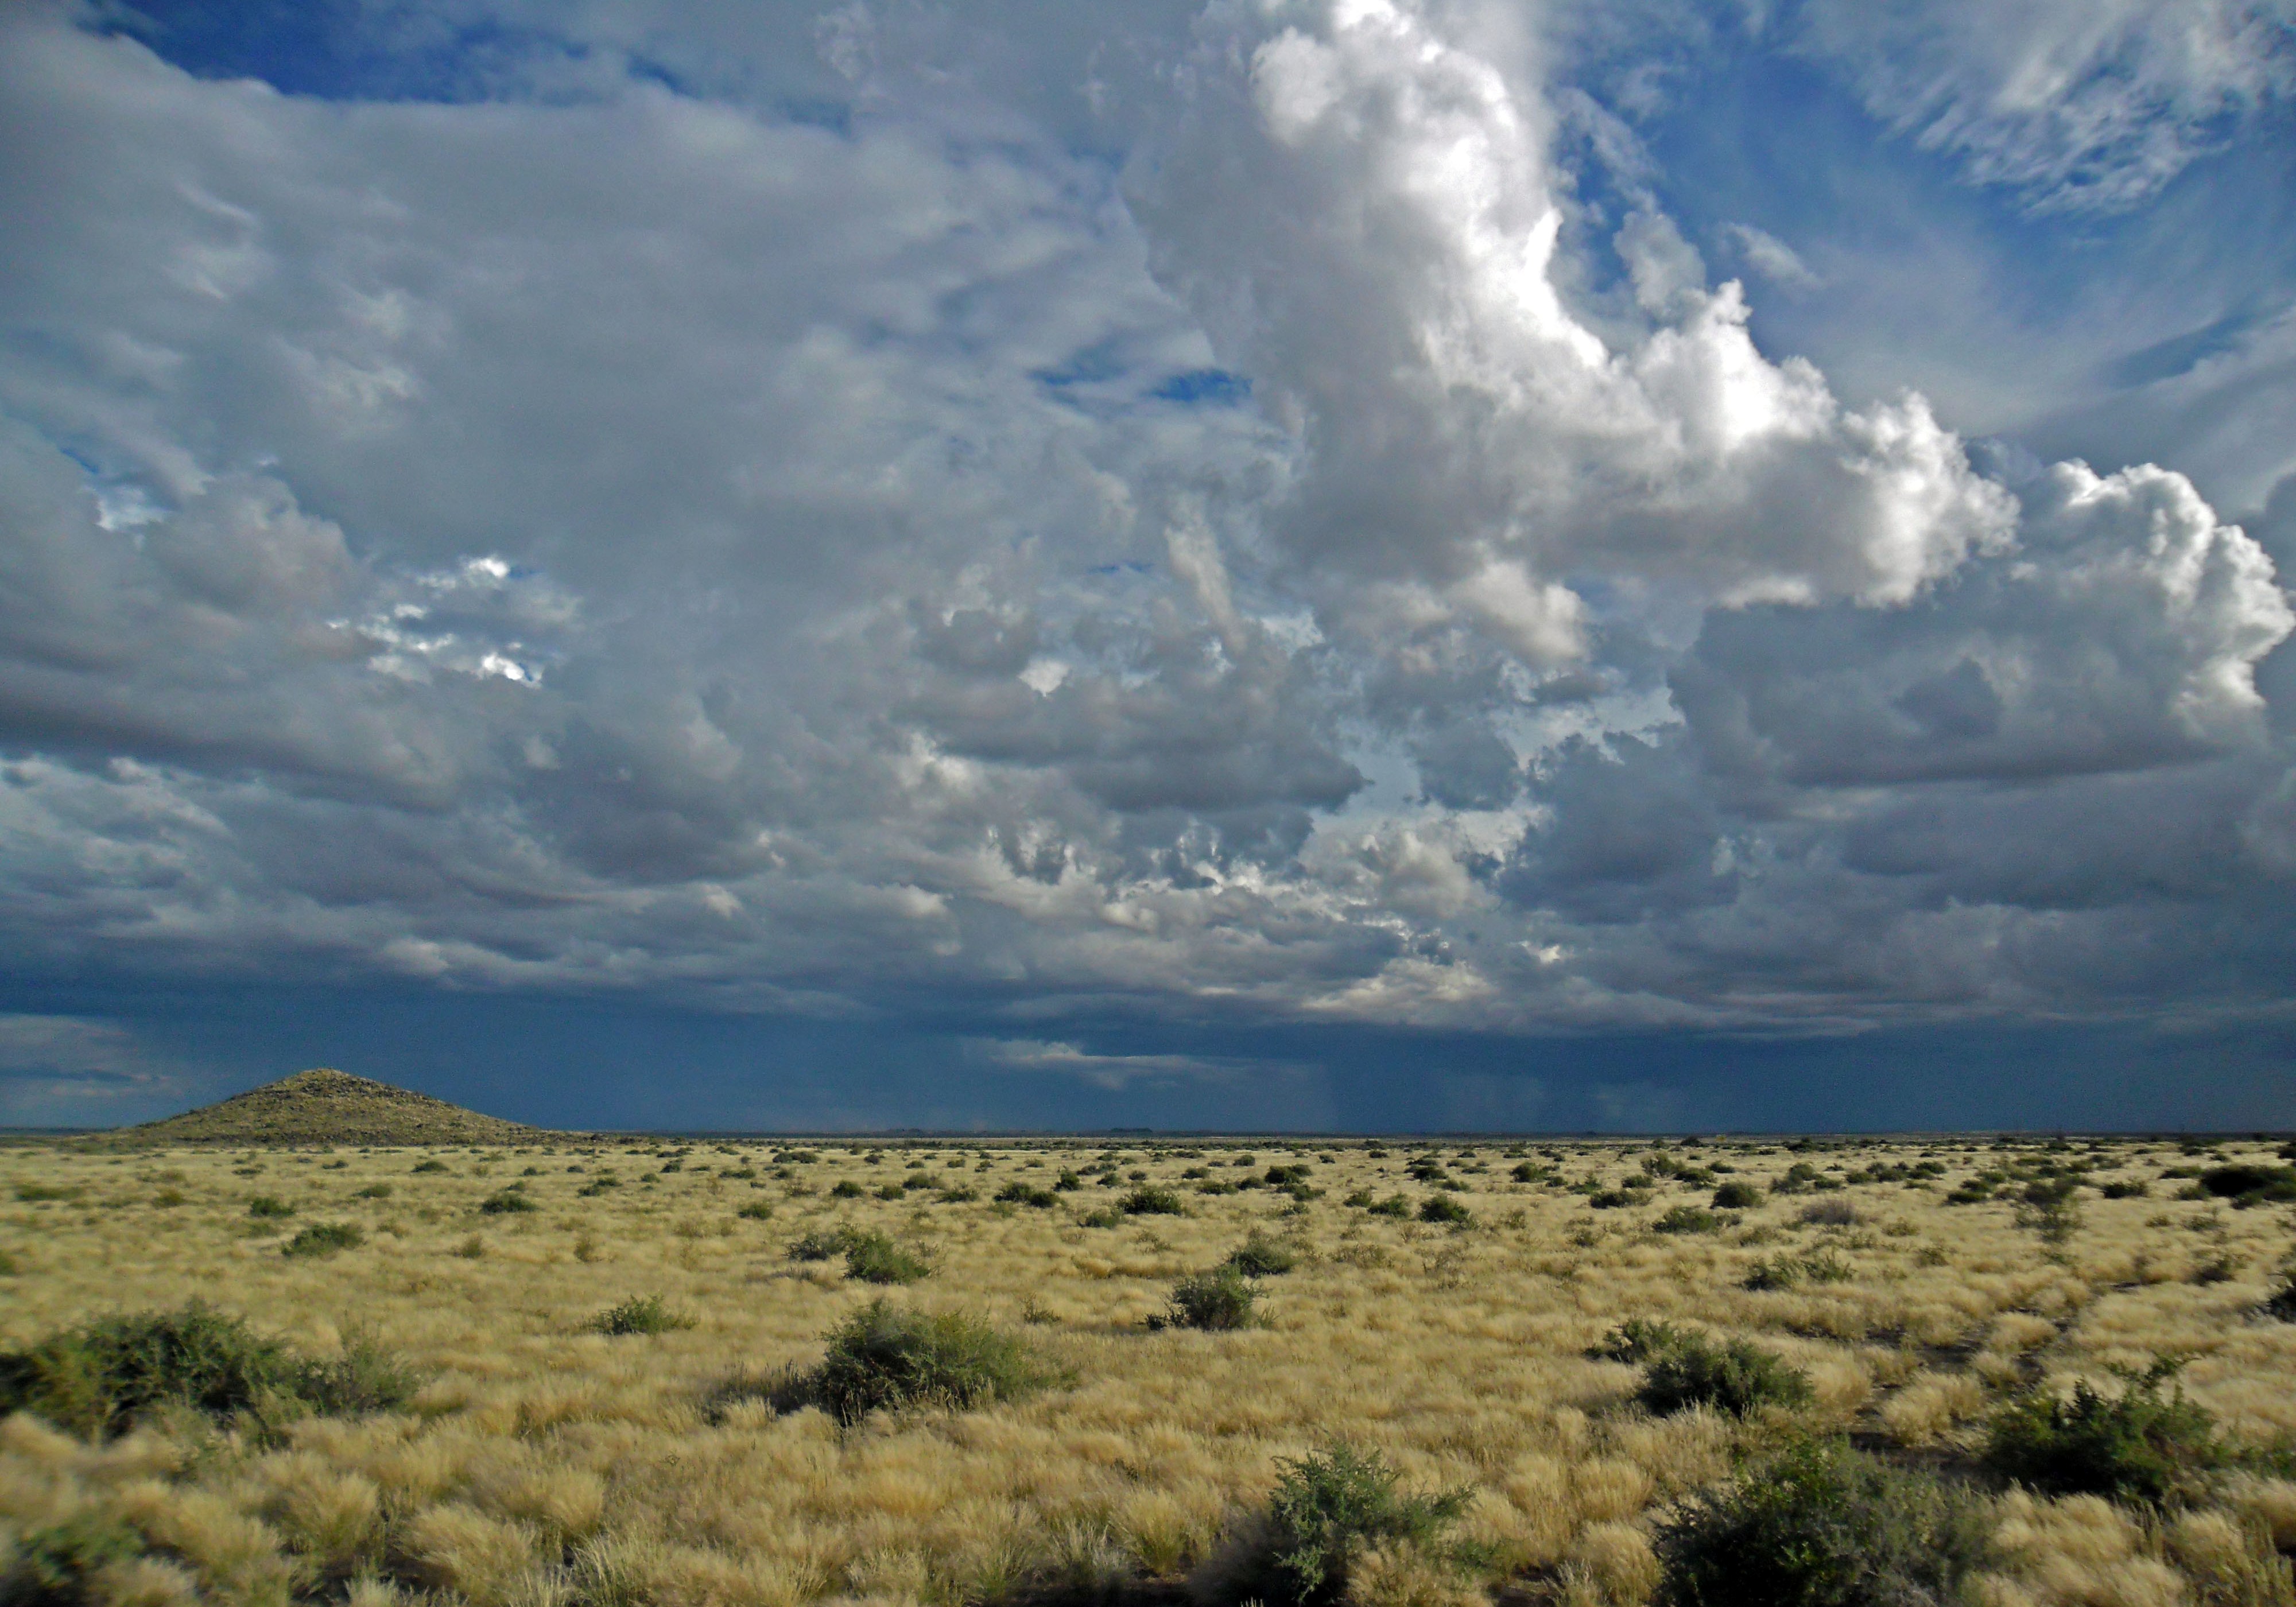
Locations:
column 326, row 1106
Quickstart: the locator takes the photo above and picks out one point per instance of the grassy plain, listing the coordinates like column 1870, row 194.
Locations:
column 547, row 1461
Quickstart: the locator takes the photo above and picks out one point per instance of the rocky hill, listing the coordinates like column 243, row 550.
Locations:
column 326, row 1106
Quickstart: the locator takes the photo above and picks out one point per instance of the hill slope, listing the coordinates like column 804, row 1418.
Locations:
column 326, row 1106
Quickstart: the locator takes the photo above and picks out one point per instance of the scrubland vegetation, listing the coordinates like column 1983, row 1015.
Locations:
column 2019, row 1374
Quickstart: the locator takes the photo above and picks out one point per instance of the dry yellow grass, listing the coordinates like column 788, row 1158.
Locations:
column 546, row 1462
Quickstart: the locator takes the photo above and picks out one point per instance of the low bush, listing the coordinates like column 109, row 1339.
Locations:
column 846, row 1189
column 1737, row 1197
column 1444, row 1210
column 430, row 1166
column 2282, row 1302
column 875, row 1259
column 1686, row 1219
column 1830, row 1213
column 104, row 1378
column 1821, row 1526
column 373, row 1191
column 1263, row 1258
column 1394, row 1205
column 363, row 1377
column 323, row 1239
column 64, row 1564
column 264, row 1207
column 1328, row 1509
column 507, row 1202
column 756, row 1210
column 2137, row 1190
column 2139, row 1446
column 1018, row 1193
column 819, row 1246
column 1219, row 1301
column 1738, row 1377
column 640, row 1313
column 2250, row 1184
column 1153, row 1201
column 1636, row 1340
column 882, row 1358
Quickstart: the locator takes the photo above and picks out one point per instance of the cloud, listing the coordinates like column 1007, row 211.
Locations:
column 617, row 535
column 61, row 1070
column 2074, row 106
column 1106, row 1071
column 1771, row 258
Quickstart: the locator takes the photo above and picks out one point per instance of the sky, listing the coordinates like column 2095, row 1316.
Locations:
column 1268, row 564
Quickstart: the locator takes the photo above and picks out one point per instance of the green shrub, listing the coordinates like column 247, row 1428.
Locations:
column 433, row 1165
column 1107, row 1216
column 1737, row 1197
column 2126, row 1191
column 1394, row 1205
column 820, row 1246
column 1018, row 1193
column 265, row 1205
column 1219, row 1301
column 1153, row 1201
column 1686, row 1219
column 1821, row 1526
column 1444, row 1210
column 507, row 1202
column 846, row 1189
column 1830, row 1213
column 103, row 1378
column 1329, row 1508
column 2283, row 1303
column 875, row 1259
column 882, row 1358
column 640, row 1314
column 1264, row 1258
column 323, row 1239
column 756, row 1210
column 41, row 1193
column 1778, row 1272
column 363, row 1377
column 1636, row 1340
column 60, row 1565
column 1737, row 1377
column 1826, row 1267
column 2139, row 1446
column 2249, row 1184
column 373, row 1191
